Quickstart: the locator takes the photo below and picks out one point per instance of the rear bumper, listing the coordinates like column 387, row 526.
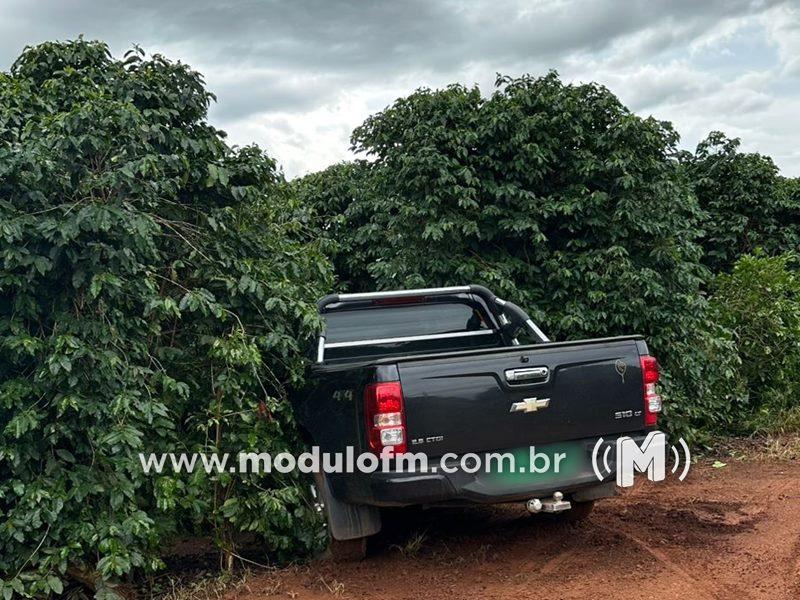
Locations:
column 394, row 488
column 462, row 487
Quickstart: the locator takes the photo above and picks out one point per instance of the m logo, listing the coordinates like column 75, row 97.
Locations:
column 530, row 405
column 650, row 457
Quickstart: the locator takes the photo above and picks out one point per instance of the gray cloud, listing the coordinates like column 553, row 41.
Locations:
column 319, row 67
column 242, row 94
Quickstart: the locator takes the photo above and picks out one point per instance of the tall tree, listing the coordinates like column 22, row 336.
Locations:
column 155, row 294
column 748, row 204
column 552, row 194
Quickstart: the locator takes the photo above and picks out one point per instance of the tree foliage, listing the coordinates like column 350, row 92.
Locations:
column 553, row 195
column 333, row 203
column 154, row 296
column 747, row 204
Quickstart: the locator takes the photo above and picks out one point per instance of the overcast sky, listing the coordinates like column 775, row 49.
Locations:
column 297, row 76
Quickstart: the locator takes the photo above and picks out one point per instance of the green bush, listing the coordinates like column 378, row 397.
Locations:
column 553, row 195
column 332, row 203
column 747, row 204
column 155, row 296
column 760, row 302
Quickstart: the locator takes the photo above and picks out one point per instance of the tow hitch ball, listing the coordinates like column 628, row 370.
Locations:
column 550, row 505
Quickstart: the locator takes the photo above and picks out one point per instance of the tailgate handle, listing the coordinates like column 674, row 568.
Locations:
column 530, row 374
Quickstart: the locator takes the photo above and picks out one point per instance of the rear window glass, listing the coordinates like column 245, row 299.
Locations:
column 381, row 322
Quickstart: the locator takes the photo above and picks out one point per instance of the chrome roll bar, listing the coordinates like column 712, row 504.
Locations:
column 500, row 308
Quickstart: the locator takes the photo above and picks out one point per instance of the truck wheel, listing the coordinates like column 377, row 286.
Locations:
column 579, row 511
column 346, row 550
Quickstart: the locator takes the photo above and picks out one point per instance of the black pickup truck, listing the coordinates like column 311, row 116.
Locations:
column 447, row 372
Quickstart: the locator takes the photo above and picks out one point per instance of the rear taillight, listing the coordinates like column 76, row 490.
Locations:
column 385, row 419
column 652, row 401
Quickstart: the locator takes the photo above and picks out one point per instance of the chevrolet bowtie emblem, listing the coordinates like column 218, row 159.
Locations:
column 530, row 405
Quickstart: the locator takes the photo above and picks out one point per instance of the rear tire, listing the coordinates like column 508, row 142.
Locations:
column 346, row 550
column 579, row 511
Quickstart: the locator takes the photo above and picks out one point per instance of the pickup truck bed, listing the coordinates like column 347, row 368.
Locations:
column 467, row 383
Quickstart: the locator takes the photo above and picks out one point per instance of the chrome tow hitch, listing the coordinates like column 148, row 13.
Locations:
column 550, row 505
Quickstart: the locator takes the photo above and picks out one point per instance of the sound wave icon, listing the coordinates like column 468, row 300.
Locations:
column 606, row 467
column 687, row 459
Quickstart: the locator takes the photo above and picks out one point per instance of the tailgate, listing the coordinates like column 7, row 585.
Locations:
column 522, row 396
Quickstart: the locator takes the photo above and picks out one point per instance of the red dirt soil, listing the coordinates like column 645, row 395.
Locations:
column 728, row 533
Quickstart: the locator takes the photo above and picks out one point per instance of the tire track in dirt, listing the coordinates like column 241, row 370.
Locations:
column 698, row 585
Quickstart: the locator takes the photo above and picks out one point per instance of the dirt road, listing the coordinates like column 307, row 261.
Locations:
column 725, row 533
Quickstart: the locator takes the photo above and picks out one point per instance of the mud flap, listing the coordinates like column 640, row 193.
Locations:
column 347, row 521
